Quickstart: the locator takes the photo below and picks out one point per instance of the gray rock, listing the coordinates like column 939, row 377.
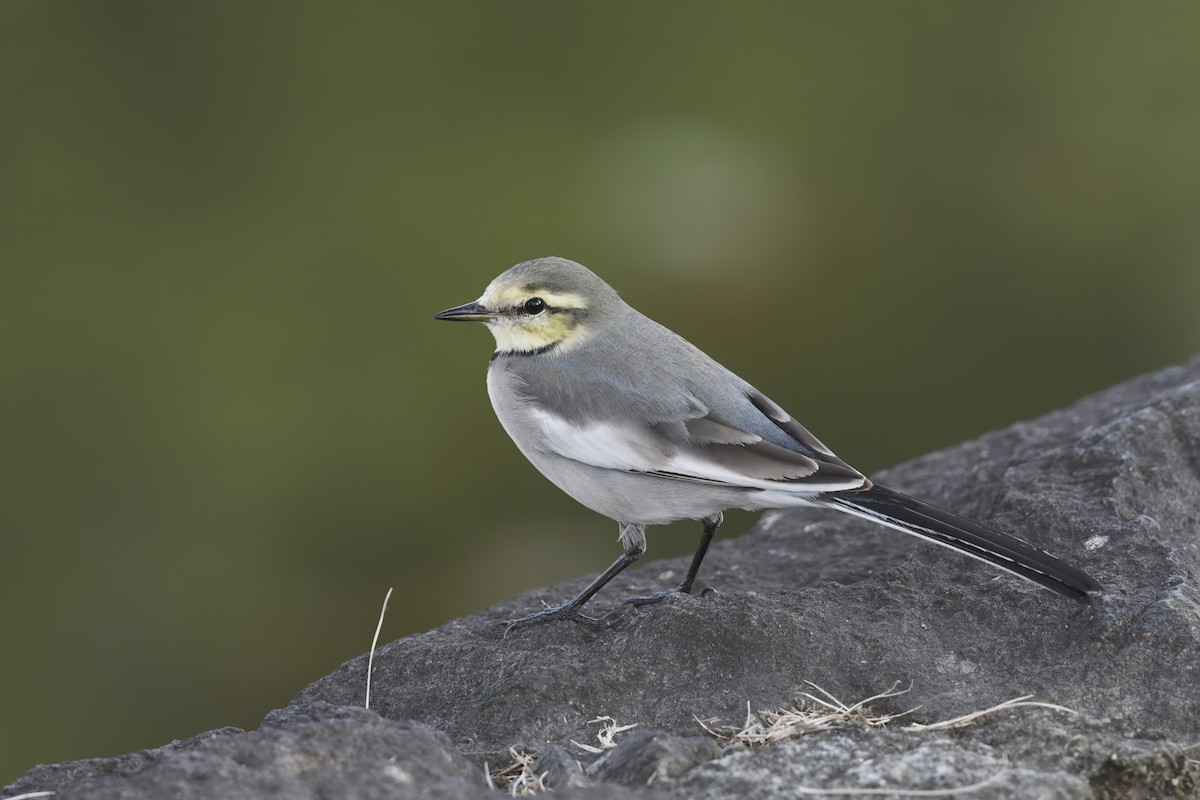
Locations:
column 1111, row 484
column 878, row 760
column 646, row 758
column 319, row 752
column 561, row 768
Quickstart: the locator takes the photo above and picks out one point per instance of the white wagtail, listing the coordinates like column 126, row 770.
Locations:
column 639, row 425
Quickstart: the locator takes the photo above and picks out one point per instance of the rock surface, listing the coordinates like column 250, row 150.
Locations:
column 1111, row 484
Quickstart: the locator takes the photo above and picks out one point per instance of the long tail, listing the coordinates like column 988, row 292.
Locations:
column 910, row 515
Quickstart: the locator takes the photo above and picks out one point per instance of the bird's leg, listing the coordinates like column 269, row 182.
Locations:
column 710, row 530
column 633, row 539
column 711, row 524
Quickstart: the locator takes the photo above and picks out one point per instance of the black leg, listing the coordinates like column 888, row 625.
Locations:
column 711, row 524
column 633, row 538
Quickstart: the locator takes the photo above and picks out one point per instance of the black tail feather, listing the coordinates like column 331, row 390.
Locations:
column 910, row 515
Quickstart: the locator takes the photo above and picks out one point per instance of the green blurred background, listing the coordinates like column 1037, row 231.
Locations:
column 229, row 423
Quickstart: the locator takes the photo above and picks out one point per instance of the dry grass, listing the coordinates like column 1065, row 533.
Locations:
column 822, row 711
column 375, row 641
column 808, row 714
column 974, row 716
column 607, row 735
column 811, row 713
column 518, row 778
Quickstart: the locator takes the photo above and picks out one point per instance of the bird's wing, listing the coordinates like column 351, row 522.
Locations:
column 795, row 431
column 698, row 446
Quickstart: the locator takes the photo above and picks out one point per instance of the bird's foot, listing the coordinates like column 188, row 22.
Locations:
column 549, row 612
column 652, row 599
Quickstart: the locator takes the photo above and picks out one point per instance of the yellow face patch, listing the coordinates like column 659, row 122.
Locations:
column 500, row 297
column 519, row 331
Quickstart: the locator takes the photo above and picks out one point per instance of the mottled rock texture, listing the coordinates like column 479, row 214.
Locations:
column 1111, row 484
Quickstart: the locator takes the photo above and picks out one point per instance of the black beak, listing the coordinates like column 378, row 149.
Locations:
column 471, row 312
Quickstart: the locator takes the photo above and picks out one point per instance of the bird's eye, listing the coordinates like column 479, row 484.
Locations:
column 535, row 305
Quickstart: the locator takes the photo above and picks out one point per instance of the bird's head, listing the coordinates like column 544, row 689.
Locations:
column 539, row 305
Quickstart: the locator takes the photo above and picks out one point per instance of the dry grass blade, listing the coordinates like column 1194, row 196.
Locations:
column 607, row 735
column 518, row 778
column 375, row 641
column 967, row 719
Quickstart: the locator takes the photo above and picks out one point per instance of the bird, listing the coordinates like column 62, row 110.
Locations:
column 639, row 425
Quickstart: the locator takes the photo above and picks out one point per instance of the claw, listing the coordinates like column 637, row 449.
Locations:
column 549, row 612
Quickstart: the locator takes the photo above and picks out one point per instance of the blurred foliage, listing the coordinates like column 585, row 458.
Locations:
column 228, row 423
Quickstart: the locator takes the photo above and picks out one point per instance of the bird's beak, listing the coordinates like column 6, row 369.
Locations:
column 471, row 312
